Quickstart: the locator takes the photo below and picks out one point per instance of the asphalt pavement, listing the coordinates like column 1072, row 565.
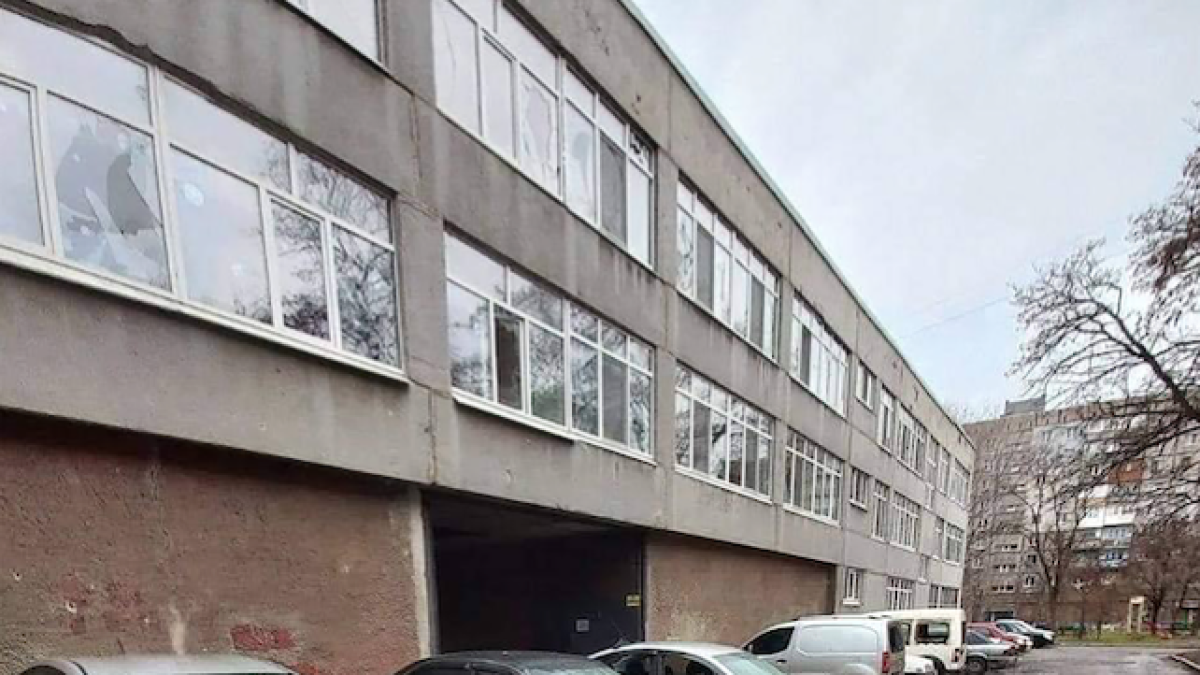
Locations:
column 1099, row 661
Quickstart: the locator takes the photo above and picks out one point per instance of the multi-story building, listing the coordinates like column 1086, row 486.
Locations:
column 344, row 332
column 1005, row 575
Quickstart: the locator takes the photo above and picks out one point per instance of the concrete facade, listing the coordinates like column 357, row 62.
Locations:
column 85, row 350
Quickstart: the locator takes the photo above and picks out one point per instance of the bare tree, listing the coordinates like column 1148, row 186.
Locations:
column 1127, row 339
column 1163, row 560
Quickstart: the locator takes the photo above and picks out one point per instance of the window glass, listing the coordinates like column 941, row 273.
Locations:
column 612, row 190
column 611, row 123
column 470, row 340
column 640, row 205
column 220, row 227
column 616, row 405
column 932, row 632
column 539, row 133
column 76, row 67
column 721, row 283
column 678, row 664
column 530, row 50
column 704, row 266
column 300, row 271
column 579, row 93
column 343, row 197
column 585, row 387
column 366, row 297
column 19, row 216
column 455, row 66
column 497, row 99
column 683, row 430
column 641, row 397
column 686, row 242
column 535, row 300
column 466, row 264
column 508, row 327
column 743, row 664
column 720, row 444
column 580, row 140
column 223, row 138
column 632, row 663
column 546, row 375
column 108, row 200
column 771, row 642
column 701, row 439
column 354, row 21
column 483, row 11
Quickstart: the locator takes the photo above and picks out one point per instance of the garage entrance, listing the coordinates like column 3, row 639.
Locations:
column 510, row 578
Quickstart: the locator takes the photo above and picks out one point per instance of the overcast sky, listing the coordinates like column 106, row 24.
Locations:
column 941, row 149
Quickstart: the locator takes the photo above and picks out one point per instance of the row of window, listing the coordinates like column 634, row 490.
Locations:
column 500, row 81
column 518, row 343
column 720, row 435
column 899, row 592
column 943, row 596
column 721, row 273
column 813, row 479
column 117, row 169
column 819, row 360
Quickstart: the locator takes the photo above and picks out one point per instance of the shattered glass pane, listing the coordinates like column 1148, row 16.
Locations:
column 19, row 215
column 300, row 264
column 366, row 297
column 612, row 189
column 546, row 376
column 221, row 232
column 498, row 99
column 581, row 163
column 539, row 133
column 108, row 202
column 616, row 399
column 455, row 68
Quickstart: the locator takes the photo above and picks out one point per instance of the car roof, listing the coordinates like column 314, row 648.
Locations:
column 705, row 649
column 200, row 664
column 520, row 660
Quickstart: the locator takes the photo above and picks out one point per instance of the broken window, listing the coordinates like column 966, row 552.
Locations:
column 19, row 215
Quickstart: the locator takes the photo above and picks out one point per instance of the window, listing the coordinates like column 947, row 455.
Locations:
column 1004, row 588
column 959, row 481
column 900, row 593
column 819, row 360
column 1031, row 559
column 886, row 431
column 675, row 663
column 812, row 478
column 719, row 435
column 931, row 462
column 905, row 521
column 923, row 575
column 932, row 633
column 955, row 538
column 1005, row 567
column 355, row 21
column 880, row 525
column 929, row 491
column 950, row 597
column 1007, row 547
column 515, row 342
column 496, row 78
column 860, row 488
column 627, row 663
column 935, row 595
column 719, row 271
column 217, row 214
column 853, row 591
column 939, row 537
column 944, row 472
column 864, row 385
column 908, row 438
column 1030, row 581
column 922, row 447
column 771, row 642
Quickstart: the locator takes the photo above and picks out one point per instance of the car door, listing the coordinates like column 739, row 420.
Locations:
column 633, row 662
column 773, row 646
column 835, row 648
column 934, row 638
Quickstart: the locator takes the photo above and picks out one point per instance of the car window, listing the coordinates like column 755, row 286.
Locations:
column 974, row 638
column 744, row 664
column 837, row 640
column 933, row 632
column 896, row 637
column 632, row 663
column 772, row 641
column 678, row 664
column 905, row 629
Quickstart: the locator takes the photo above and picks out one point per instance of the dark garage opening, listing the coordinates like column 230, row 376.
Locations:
column 510, row 578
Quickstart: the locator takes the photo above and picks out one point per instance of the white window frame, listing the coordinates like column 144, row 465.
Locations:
column 852, row 587
column 885, row 432
column 695, row 211
column 860, row 489
column 905, row 522
column 489, row 36
column 829, row 360
column 376, row 57
column 566, row 333
column 49, row 258
column 955, row 544
column 698, row 390
column 880, row 510
column 900, row 593
column 908, row 439
column 823, row 468
column 865, row 385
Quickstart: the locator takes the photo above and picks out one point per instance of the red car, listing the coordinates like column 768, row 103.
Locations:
column 993, row 631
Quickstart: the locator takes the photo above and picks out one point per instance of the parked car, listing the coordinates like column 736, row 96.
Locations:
column 991, row 630
column 853, row 644
column 1040, row 636
column 918, row 665
column 208, row 664
column 936, row 634
column 506, row 663
column 683, row 658
column 984, row 652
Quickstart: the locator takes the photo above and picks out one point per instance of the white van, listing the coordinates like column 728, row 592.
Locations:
column 857, row 644
column 936, row 634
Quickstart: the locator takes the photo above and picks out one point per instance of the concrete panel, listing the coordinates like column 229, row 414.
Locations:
column 117, row 543
column 809, row 538
column 817, row 421
column 86, row 355
column 699, row 508
column 697, row 590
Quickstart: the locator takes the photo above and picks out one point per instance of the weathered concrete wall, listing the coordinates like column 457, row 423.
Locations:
column 117, row 543
column 699, row 590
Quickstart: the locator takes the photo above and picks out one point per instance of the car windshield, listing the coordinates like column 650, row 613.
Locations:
column 740, row 663
column 1023, row 626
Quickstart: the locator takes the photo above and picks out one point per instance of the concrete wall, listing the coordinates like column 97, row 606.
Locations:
column 699, row 590
column 82, row 354
column 117, row 543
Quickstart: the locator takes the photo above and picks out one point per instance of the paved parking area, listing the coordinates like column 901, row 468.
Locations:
column 1099, row 661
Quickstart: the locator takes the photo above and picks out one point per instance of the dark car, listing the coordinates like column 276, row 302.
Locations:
column 507, row 663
